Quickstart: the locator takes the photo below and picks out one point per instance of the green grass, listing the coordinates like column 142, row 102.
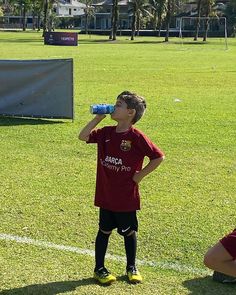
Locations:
column 48, row 176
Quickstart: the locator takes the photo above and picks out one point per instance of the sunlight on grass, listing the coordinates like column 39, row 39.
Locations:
column 48, row 176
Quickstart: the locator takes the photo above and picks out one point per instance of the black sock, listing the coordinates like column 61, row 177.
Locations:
column 100, row 249
column 130, row 248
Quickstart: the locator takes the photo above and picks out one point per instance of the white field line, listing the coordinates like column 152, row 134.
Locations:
column 162, row 265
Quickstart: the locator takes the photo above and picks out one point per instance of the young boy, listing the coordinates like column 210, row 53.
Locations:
column 222, row 259
column 121, row 150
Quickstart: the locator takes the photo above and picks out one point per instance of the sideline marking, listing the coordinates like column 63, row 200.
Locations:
column 162, row 265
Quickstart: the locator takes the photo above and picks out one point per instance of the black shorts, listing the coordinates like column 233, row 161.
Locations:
column 125, row 222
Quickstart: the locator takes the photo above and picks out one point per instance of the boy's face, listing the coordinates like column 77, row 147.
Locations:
column 122, row 113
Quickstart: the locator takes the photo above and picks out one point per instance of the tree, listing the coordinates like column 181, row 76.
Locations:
column 199, row 6
column 139, row 9
column 114, row 20
column 22, row 6
column 88, row 13
column 207, row 6
column 37, row 7
column 230, row 12
column 159, row 8
column 47, row 12
column 169, row 12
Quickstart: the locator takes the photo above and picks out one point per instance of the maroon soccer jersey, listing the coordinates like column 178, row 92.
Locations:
column 120, row 155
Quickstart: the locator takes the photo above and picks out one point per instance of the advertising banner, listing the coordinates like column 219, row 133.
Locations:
column 61, row 38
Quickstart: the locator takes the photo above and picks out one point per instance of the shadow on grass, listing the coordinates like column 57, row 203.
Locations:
column 207, row 286
column 13, row 121
column 127, row 41
column 22, row 40
column 52, row 288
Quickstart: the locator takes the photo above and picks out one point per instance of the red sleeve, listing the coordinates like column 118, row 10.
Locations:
column 94, row 136
column 149, row 149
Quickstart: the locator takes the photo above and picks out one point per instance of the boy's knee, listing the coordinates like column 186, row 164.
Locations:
column 126, row 233
column 209, row 260
column 105, row 232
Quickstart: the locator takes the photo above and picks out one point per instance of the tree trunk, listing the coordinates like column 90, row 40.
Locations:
column 206, row 29
column 33, row 21
column 199, row 3
column 86, row 23
column 138, row 23
column 24, row 18
column 168, row 16
column 38, row 21
column 114, row 19
column 159, row 24
column 45, row 14
column 133, row 28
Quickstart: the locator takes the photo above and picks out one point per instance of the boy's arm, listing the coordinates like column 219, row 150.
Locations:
column 152, row 165
column 85, row 132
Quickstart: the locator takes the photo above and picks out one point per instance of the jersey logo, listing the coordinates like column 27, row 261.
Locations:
column 125, row 145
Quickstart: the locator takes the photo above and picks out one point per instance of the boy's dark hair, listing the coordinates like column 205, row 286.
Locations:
column 135, row 102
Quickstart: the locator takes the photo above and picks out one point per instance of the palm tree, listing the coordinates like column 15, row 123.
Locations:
column 169, row 12
column 207, row 11
column 114, row 20
column 159, row 8
column 230, row 12
column 88, row 12
column 47, row 7
column 22, row 6
column 199, row 6
column 139, row 9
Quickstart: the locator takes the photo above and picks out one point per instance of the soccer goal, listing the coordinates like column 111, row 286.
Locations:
column 198, row 30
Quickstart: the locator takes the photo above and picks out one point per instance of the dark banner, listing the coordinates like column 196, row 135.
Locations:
column 37, row 88
column 61, row 38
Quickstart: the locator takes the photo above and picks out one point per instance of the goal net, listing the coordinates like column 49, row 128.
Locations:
column 203, row 30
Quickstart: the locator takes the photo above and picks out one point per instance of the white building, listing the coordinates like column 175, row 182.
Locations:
column 69, row 8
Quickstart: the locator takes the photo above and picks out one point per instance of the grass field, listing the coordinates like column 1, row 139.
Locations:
column 48, row 176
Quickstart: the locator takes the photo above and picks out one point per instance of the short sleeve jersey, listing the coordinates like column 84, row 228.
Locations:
column 119, row 156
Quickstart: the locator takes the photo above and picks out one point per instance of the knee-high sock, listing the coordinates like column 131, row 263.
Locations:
column 130, row 248
column 100, row 249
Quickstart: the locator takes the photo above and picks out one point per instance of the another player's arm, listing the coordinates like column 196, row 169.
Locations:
column 85, row 132
column 152, row 165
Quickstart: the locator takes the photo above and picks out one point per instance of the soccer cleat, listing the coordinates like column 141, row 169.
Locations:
column 103, row 276
column 222, row 278
column 134, row 275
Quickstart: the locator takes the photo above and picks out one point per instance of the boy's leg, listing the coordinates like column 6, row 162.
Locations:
column 101, row 244
column 106, row 225
column 131, row 248
column 219, row 259
column 127, row 226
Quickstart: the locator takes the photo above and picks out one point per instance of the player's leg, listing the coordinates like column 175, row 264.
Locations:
column 106, row 226
column 127, row 227
column 221, row 258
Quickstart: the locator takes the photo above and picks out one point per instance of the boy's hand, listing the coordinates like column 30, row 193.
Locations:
column 137, row 177
column 152, row 165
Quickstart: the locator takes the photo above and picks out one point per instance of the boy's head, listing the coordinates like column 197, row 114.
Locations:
column 135, row 104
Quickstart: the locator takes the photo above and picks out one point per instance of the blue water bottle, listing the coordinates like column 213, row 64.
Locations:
column 102, row 108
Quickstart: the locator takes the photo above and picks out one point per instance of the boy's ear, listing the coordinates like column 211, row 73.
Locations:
column 131, row 112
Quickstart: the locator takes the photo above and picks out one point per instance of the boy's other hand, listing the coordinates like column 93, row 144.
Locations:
column 137, row 177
